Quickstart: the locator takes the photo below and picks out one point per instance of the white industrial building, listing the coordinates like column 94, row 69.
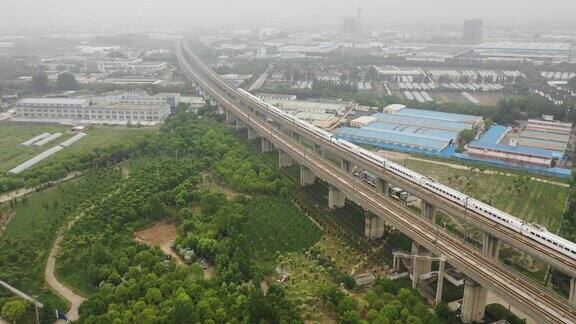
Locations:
column 120, row 64
column 137, row 97
column 111, row 108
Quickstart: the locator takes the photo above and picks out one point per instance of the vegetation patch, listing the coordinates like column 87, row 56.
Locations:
column 103, row 146
column 534, row 201
column 37, row 218
column 275, row 226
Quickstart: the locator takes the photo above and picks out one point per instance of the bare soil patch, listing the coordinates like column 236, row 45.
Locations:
column 160, row 234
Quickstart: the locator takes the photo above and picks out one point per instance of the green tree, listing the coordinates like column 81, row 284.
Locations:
column 467, row 135
column 442, row 310
column 572, row 83
column 14, row 310
column 47, row 314
column 40, row 82
column 67, row 82
column 348, row 281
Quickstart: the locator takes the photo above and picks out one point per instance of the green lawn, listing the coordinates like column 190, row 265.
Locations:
column 29, row 236
column 531, row 200
column 11, row 135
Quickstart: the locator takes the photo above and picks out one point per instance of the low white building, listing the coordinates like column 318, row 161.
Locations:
column 362, row 121
column 549, row 125
column 137, row 97
column 76, row 109
column 120, row 64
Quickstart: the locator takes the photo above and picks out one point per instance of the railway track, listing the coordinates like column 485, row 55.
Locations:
column 524, row 294
column 521, row 242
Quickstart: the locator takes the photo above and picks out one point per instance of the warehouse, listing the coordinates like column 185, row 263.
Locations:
column 120, row 106
column 410, row 130
column 492, row 146
column 525, row 50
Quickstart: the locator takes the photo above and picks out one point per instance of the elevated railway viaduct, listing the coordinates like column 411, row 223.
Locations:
column 483, row 270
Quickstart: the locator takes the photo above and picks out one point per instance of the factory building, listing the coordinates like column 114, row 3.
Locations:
column 109, row 109
column 194, row 103
column 542, row 143
column 548, row 124
column 120, row 64
column 523, row 50
column 137, row 97
column 493, row 147
column 410, row 130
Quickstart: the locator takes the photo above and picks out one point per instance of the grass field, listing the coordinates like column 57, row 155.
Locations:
column 11, row 135
column 518, row 195
column 28, row 237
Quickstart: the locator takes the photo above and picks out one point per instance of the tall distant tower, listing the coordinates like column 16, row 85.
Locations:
column 472, row 30
column 349, row 25
column 358, row 18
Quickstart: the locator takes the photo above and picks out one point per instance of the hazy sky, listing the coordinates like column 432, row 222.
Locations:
column 39, row 14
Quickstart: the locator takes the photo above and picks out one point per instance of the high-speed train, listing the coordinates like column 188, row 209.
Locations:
column 534, row 232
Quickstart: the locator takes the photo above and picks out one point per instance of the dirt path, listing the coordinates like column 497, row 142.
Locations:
column 161, row 234
column 49, row 275
column 26, row 191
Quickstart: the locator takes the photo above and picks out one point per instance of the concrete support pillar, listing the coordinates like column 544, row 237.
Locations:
column 491, row 246
column 221, row 109
column 267, row 146
column 319, row 150
column 307, row 177
column 284, row 159
column 240, row 124
column 474, row 301
column 251, row 134
column 230, row 118
column 373, row 226
column 572, row 293
column 420, row 266
column 336, row 198
column 440, row 282
column 345, row 165
column 428, row 211
column 382, row 186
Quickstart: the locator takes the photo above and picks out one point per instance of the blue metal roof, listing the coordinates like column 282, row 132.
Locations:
column 370, row 136
column 420, row 132
column 491, row 139
column 438, row 115
column 492, row 136
column 417, row 121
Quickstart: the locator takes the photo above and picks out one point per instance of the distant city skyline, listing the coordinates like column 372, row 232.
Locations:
column 38, row 15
